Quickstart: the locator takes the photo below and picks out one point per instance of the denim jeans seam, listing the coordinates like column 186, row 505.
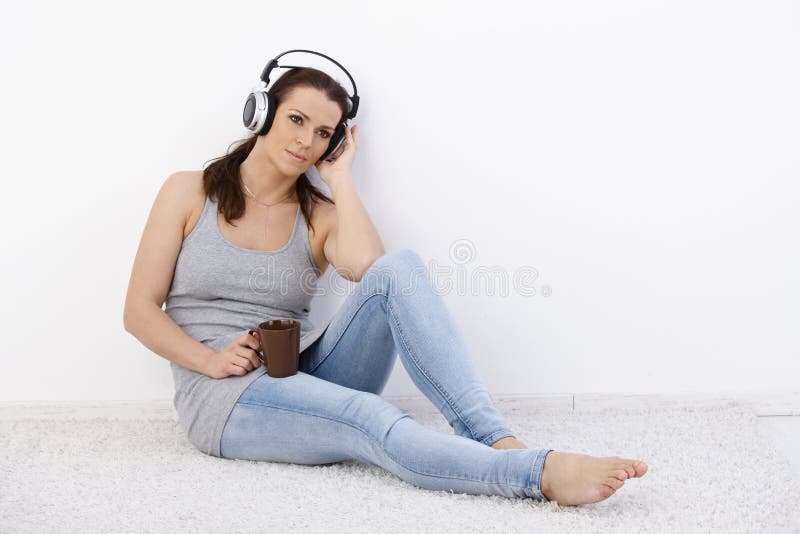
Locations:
column 504, row 433
column 371, row 438
column 423, row 371
column 339, row 337
column 538, row 467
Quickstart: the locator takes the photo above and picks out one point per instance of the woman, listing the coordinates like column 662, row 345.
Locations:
column 220, row 278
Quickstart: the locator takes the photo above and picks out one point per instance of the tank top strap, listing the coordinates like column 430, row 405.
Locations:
column 302, row 240
column 203, row 226
column 207, row 228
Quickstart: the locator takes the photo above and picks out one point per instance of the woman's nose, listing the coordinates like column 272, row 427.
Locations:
column 305, row 138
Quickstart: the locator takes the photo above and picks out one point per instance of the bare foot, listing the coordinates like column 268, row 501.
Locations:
column 571, row 479
column 508, row 443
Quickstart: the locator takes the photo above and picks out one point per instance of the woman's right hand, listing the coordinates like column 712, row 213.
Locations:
column 238, row 358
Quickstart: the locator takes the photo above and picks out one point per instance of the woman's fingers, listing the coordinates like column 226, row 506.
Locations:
column 247, row 356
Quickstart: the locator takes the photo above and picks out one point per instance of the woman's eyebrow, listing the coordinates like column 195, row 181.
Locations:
column 306, row 116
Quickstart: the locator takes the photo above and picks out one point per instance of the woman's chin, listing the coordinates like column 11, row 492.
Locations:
column 295, row 167
column 297, row 170
column 288, row 169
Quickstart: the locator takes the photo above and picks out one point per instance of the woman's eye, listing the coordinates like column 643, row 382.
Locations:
column 298, row 117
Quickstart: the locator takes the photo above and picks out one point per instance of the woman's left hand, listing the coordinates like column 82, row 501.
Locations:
column 341, row 166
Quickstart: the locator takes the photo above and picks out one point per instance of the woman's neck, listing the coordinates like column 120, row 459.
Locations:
column 265, row 181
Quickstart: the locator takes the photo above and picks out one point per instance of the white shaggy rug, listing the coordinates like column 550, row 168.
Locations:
column 710, row 469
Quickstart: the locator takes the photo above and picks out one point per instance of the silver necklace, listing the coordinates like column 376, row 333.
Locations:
column 251, row 195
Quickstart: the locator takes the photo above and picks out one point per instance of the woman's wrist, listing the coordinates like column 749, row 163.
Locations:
column 339, row 182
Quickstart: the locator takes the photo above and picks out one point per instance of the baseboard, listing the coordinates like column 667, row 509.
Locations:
column 763, row 404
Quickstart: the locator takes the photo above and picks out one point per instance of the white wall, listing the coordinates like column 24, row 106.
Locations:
column 642, row 157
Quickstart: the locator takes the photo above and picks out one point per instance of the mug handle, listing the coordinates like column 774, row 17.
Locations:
column 260, row 348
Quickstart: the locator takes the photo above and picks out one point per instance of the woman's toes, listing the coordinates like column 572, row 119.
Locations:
column 628, row 469
column 640, row 467
column 613, row 483
column 616, row 483
column 621, row 474
column 635, row 468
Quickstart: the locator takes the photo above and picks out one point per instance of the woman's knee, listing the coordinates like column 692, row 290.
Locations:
column 395, row 271
column 399, row 259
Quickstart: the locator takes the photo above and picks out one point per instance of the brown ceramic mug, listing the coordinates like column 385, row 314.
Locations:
column 280, row 346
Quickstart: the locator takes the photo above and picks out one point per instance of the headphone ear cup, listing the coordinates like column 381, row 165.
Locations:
column 249, row 112
column 336, row 140
column 259, row 112
column 270, row 106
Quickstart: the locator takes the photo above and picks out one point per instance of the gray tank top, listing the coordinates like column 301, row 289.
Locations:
column 219, row 291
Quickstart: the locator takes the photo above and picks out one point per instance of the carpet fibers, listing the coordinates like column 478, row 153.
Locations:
column 710, row 469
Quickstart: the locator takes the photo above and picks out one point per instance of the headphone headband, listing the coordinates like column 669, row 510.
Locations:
column 273, row 64
column 260, row 106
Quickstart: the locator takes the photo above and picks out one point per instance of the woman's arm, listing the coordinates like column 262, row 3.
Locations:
column 158, row 332
column 152, row 273
column 353, row 243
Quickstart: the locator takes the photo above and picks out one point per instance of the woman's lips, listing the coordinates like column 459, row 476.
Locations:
column 295, row 156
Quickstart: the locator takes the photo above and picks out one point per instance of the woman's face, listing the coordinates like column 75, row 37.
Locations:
column 303, row 125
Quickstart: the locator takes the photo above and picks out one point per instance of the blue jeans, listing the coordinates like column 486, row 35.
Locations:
column 331, row 411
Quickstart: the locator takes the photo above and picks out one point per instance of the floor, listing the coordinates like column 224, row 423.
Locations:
column 785, row 429
column 85, row 475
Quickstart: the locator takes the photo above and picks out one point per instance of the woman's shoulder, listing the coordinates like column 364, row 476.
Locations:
column 189, row 181
column 189, row 186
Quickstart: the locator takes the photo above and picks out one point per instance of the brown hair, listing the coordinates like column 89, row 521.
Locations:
column 222, row 180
